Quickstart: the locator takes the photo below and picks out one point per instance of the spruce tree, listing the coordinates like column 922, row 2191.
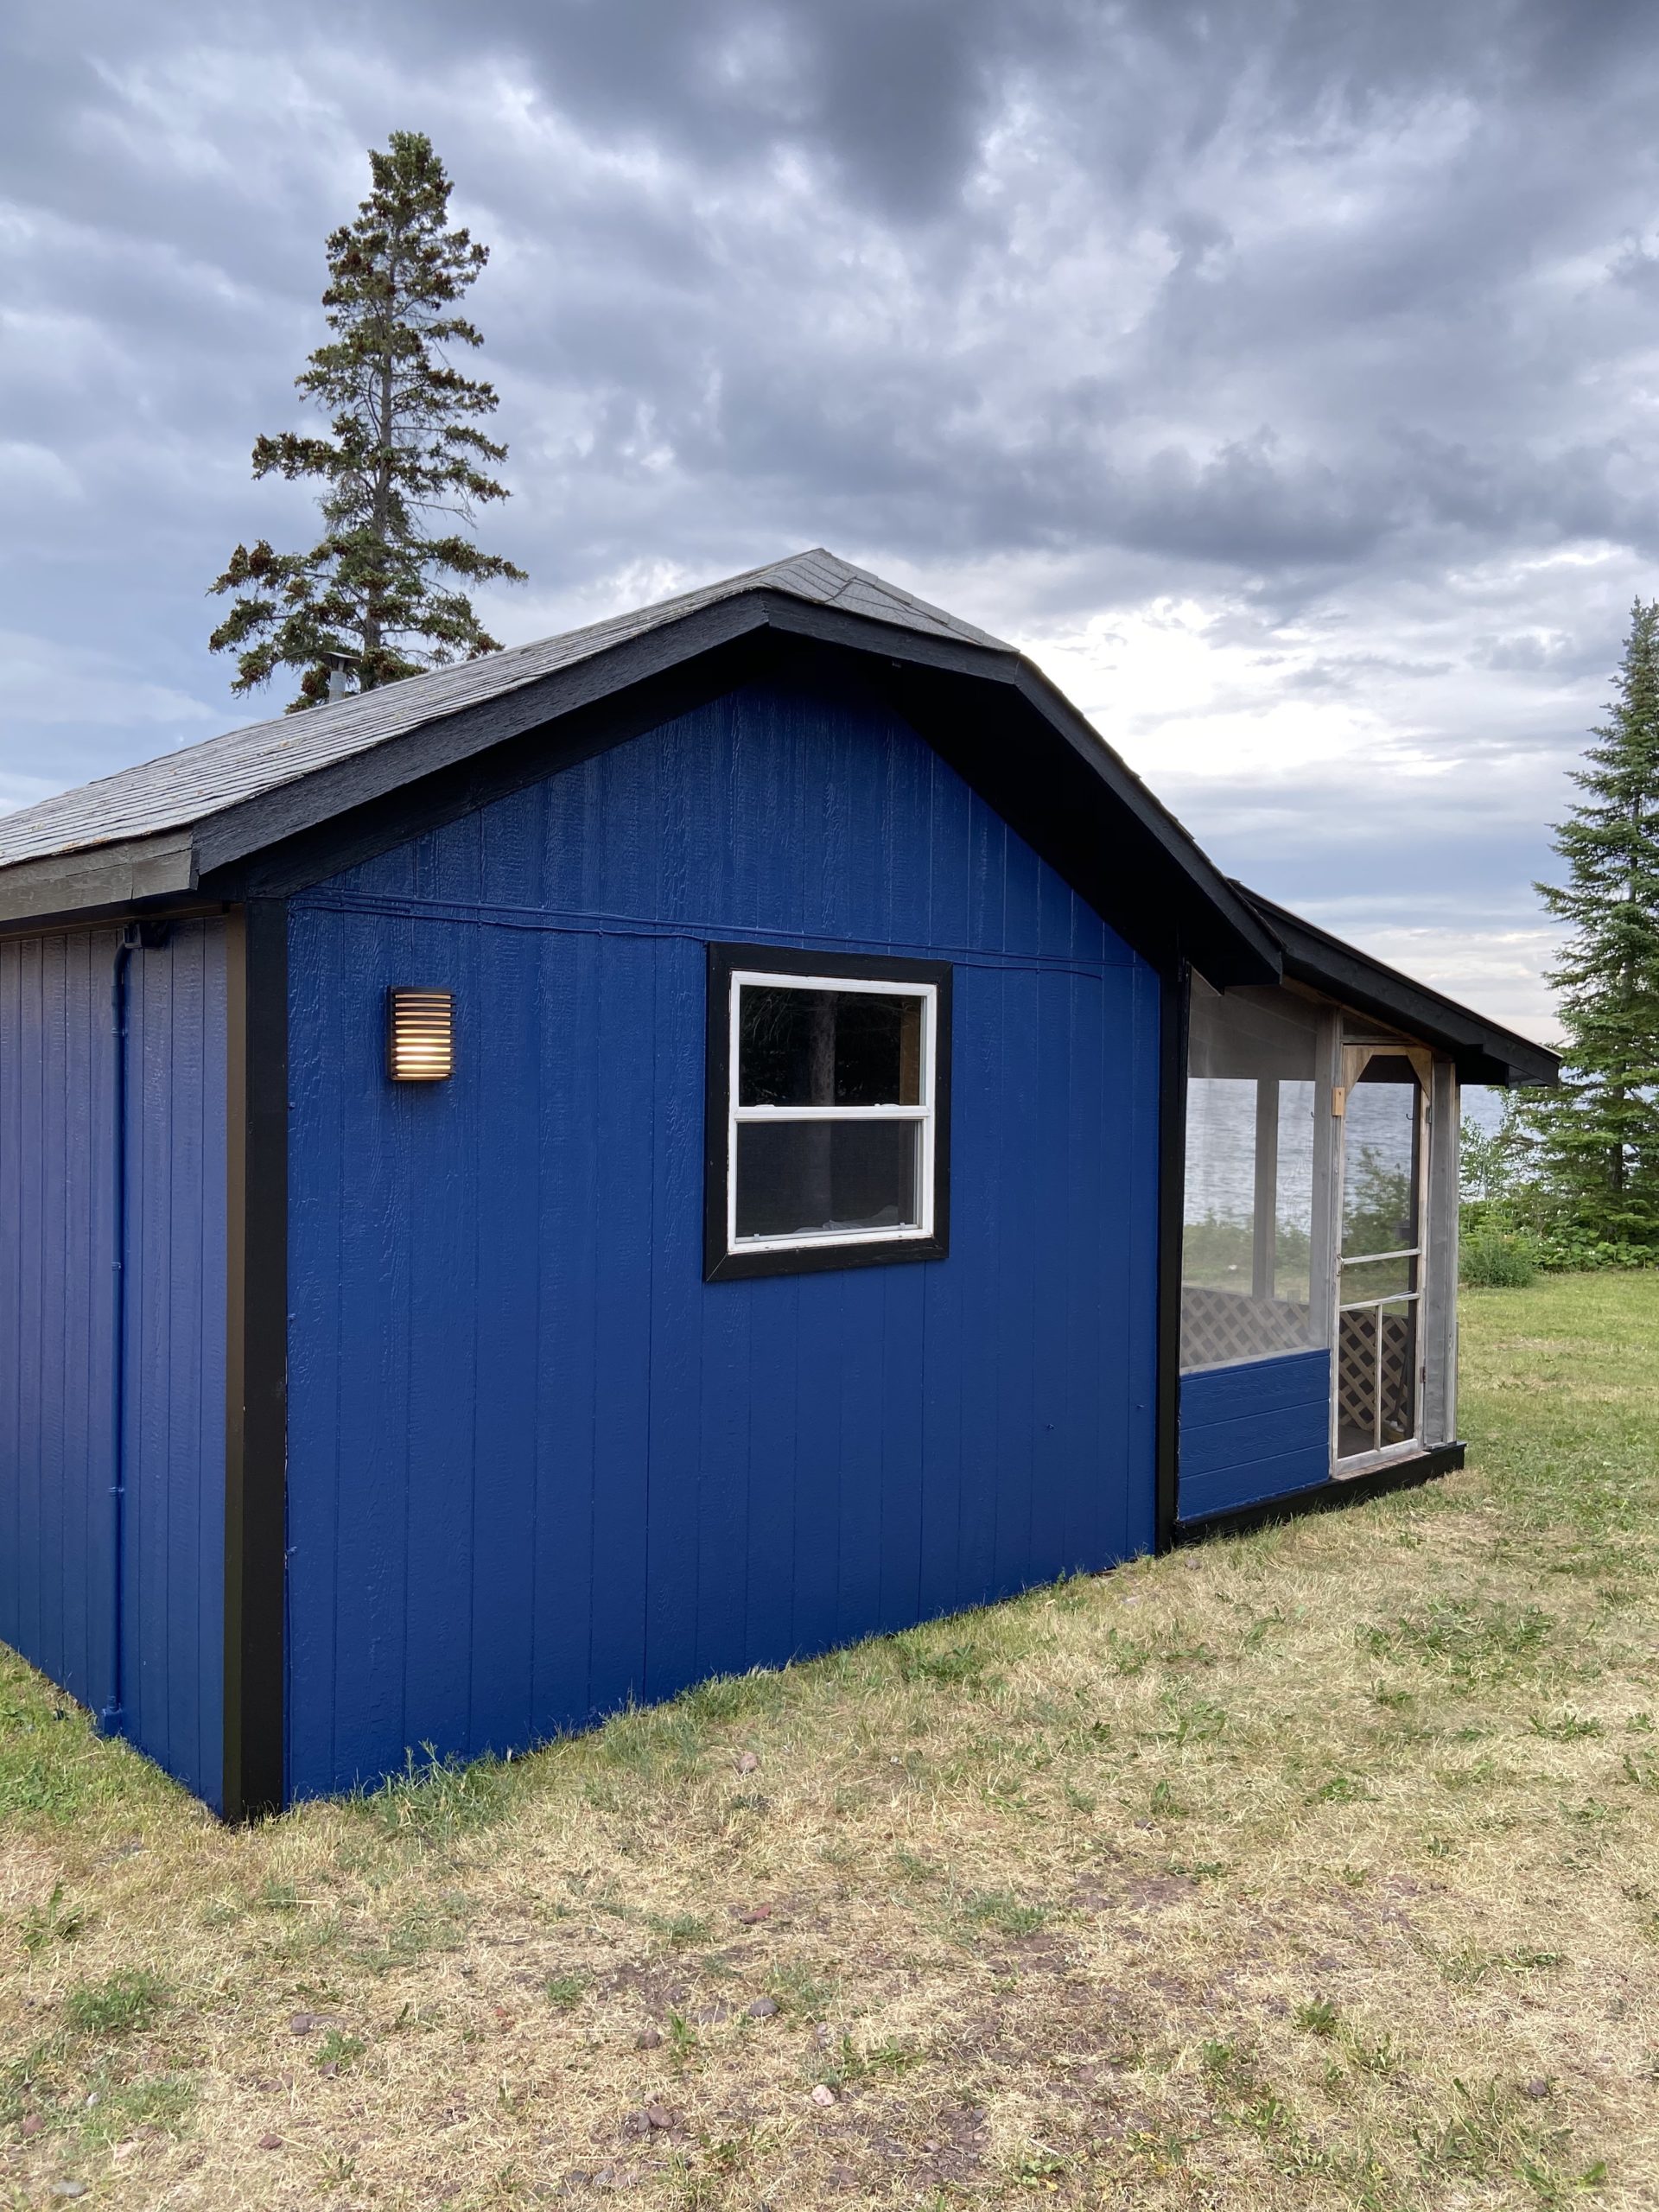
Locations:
column 1599, row 1136
column 403, row 464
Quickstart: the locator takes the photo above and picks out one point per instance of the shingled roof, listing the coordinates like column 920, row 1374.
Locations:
column 192, row 823
column 236, row 815
column 1483, row 1051
column 195, row 781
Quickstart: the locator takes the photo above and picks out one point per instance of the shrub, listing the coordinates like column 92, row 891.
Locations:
column 1498, row 1259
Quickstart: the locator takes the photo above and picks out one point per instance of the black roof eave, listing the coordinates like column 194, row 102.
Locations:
column 1481, row 1051
column 212, row 854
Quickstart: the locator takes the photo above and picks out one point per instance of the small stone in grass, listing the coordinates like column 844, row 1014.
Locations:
column 711, row 2016
column 302, row 2024
column 270, row 2142
column 330, row 2070
column 68, row 2188
column 648, row 2039
column 751, row 1915
column 31, row 2124
column 1536, row 2088
column 747, row 1763
column 763, row 2008
column 659, row 2116
column 824, row 2094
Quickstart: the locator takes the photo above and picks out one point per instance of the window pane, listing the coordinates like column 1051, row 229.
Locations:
column 1249, row 1212
column 1293, row 1249
column 1379, row 1175
column 1377, row 1279
column 806, row 1178
column 1220, row 1227
column 828, row 1048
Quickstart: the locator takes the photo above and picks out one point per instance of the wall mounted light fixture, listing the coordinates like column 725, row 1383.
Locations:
column 420, row 1035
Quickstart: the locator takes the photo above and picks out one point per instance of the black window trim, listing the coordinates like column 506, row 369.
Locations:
column 721, row 1265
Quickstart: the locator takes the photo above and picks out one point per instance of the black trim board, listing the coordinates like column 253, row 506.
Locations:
column 1352, row 1489
column 720, row 1265
column 1481, row 1051
column 995, row 717
column 1039, row 762
column 238, row 836
column 988, row 731
column 1238, row 945
column 1173, row 1006
column 256, row 1366
column 447, row 793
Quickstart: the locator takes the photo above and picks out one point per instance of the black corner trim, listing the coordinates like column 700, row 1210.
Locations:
column 255, row 1375
column 1174, row 993
column 1326, row 1496
column 718, row 1264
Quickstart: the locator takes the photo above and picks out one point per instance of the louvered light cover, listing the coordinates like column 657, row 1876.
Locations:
column 420, row 1036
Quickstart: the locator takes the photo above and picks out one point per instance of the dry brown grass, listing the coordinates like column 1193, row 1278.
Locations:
column 1315, row 1869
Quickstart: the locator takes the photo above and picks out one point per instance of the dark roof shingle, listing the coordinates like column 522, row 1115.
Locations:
column 186, row 785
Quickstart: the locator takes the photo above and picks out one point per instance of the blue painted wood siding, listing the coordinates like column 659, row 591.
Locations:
column 537, row 1467
column 1257, row 1431
column 57, row 1309
column 173, row 1608
column 57, row 1330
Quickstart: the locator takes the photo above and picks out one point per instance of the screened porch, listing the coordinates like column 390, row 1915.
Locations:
column 1318, row 1243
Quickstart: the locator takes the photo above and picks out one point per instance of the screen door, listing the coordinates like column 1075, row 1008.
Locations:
column 1381, row 1267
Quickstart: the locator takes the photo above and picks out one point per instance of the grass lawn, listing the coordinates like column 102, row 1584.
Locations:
column 1315, row 1868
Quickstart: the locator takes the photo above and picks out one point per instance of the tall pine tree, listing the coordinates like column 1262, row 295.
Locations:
column 405, row 463
column 1599, row 1136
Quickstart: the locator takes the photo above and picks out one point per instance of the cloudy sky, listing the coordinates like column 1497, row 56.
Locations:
column 1281, row 375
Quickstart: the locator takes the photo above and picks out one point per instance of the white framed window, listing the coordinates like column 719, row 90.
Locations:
column 828, row 1075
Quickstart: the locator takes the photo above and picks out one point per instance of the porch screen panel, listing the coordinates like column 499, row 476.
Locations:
column 1248, row 1211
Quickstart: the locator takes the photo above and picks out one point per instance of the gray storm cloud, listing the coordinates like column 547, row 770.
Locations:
column 1279, row 374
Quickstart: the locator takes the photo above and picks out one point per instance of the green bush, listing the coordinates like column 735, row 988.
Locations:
column 1571, row 1250
column 1544, row 1230
column 1498, row 1259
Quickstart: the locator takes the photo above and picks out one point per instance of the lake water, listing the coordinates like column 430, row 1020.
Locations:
column 1221, row 1146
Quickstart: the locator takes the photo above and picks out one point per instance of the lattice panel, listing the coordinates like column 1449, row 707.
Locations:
column 1356, row 1378
column 1217, row 1326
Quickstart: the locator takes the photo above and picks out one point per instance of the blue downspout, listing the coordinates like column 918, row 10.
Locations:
column 111, row 1721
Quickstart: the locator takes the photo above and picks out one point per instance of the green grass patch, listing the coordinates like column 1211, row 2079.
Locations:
column 130, row 1999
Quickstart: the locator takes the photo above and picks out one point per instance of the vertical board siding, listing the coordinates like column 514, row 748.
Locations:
column 173, row 1607
column 1257, row 1431
column 58, row 1250
column 537, row 1467
column 57, row 1305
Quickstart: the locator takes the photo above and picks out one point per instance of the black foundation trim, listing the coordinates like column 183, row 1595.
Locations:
column 720, row 1265
column 1326, row 1497
column 1175, row 990
column 256, row 1368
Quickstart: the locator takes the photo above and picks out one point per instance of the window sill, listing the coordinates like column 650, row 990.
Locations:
column 818, row 1259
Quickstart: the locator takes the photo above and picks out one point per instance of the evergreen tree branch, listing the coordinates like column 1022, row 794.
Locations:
column 403, row 448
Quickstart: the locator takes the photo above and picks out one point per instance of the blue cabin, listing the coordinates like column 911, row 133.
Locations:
column 659, row 1153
